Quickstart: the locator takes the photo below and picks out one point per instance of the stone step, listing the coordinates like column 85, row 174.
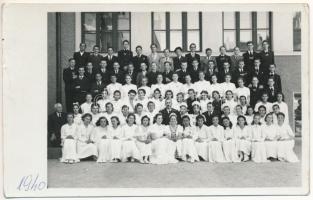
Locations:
column 54, row 152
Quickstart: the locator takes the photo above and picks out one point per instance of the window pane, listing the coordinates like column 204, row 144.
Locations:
column 261, row 36
column 176, row 39
column 262, row 20
column 175, row 20
column 106, row 22
column 123, row 21
column 229, row 20
column 297, row 31
column 90, row 22
column 193, row 20
column 105, row 40
column 122, row 35
column 90, row 40
column 245, row 36
column 194, row 37
column 245, row 20
column 229, row 39
column 159, row 38
column 159, row 21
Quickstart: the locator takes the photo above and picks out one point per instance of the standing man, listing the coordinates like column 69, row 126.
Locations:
column 95, row 57
column 81, row 57
column 81, row 86
column 55, row 121
column 69, row 75
column 139, row 58
column 105, row 74
column 266, row 56
column 182, row 72
column 164, row 59
column 235, row 59
column 179, row 58
column 192, row 55
column 205, row 61
column 118, row 73
column 125, row 56
column 110, row 58
column 222, row 58
column 249, row 57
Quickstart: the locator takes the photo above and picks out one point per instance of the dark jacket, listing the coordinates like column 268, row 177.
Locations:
column 81, row 60
column 124, row 57
column 166, row 116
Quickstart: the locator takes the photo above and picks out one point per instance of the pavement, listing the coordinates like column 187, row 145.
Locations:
column 89, row 174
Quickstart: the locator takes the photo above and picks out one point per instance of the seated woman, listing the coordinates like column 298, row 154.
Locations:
column 286, row 141
column 189, row 152
column 249, row 115
column 202, row 138
column 269, row 130
column 175, row 131
column 229, row 143
column 143, row 139
column 216, row 134
column 76, row 114
column 257, row 138
column 160, row 143
column 139, row 113
column 196, row 111
column 242, row 135
column 130, row 151
column 68, row 141
column 105, row 99
column 116, row 143
column 85, row 147
column 157, row 99
column 102, row 139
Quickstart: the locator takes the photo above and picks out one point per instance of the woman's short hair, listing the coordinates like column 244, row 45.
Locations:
column 98, row 121
column 117, row 119
column 230, row 124
column 129, row 115
column 86, row 115
column 244, row 118
column 145, row 117
column 281, row 114
column 268, row 114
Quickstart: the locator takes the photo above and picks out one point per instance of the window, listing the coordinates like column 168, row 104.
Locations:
column 105, row 29
column 297, row 31
column 241, row 27
column 170, row 30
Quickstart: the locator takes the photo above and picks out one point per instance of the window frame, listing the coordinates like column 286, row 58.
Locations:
column 254, row 29
column 184, row 31
column 114, row 31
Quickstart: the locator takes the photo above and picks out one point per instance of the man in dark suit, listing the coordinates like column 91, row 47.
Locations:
column 272, row 90
column 142, row 74
column 81, row 86
column 256, row 91
column 69, row 74
column 167, row 111
column 152, row 75
column 139, row 58
column 249, row 57
column 207, row 59
column 194, row 71
column 119, row 74
column 209, row 114
column 55, row 121
column 105, row 74
column 125, row 56
column 81, row 57
column 95, row 57
column 182, row 72
column 179, row 58
column 272, row 74
column 210, row 71
column 132, row 73
column 167, row 74
column 90, row 72
column 192, row 56
column 223, row 72
column 240, row 71
column 222, row 58
column 257, row 73
column 98, row 86
column 110, row 58
column 266, row 56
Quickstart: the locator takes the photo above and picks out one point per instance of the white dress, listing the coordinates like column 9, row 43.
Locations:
column 116, row 144
column 244, row 91
column 227, row 86
column 85, row 150
column 229, row 146
column 285, row 147
column 78, row 119
column 202, row 146
column 159, row 105
column 112, row 87
column 69, row 145
column 249, row 119
column 102, row 103
column 86, row 107
column 142, row 133
column 283, row 107
column 186, row 87
column 175, row 88
column 215, row 147
column 258, row 146
column 204, row 105
column 95, row 118
column 268, row 106
column 243, row 143
column 103, row 145
column 216, row 87
column 160, row 145
column 126, row 88
column 175, row 146
column 129, row 148
column 188, row 144
column 161, row 87
column 270, row 132
column 147, row 89
column 202, row 86
column 231, row 104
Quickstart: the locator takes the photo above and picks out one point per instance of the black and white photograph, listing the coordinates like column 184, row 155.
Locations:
column 156, row 99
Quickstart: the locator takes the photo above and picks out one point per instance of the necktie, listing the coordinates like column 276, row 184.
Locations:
column 115, row 71
column 272, row 91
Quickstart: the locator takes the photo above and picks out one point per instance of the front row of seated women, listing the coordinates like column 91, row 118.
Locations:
column 160, row 144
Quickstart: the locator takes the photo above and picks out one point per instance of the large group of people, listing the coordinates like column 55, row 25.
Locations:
column 164, row 109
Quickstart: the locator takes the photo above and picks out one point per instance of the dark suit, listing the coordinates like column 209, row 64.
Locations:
column 208, row 75
column 68, row 74
column 139, row 77
column 110, row 62
column 182, row 75
column 95, row 60
column 166, row 116
column 81, row 60
column 124, row 57
column 54, row 126
column 243, row 74
column 133, row 75
column 272, row 93
column 80, row 93
column 97, row 88
column 267, row 58
column 220, row 61
column 209, row 116
column 152, row 76
column 189, row 102
column 217, row 106
column 249, row 60
column 120, row 76
column 91, row 75
column 105, row 76
column 137, row 60
column 260, row 75
column 194, row 74
column 177, row 62
column 222, row 74
column 277, row 81
column 168, row 75
column 190, row 59
column 255, row 95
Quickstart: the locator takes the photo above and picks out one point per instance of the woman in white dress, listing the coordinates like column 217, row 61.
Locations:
column 216, row 133
column 86, row 106
column 249, row 115
column 175, row 132
column 105, row 99
column 85, row 146
column 95, row 113
column 68, row 141
column 102, row 138
column 157, row 99
column 241, row 90
column 160, row 143
column 286, row 141
column 262, row 112
column 271, row 135
column 204, row 100
column 130, row 151
column 127, row 86
column 109, row 111
column 242, row 135
column 76, row 114
column 189, row 151
column 202, row 138
column 143, row 141
column 116, row 143
column 229, row 143
column 139, row 113
column 282, row 106
column 258, row 149
column 159, row 85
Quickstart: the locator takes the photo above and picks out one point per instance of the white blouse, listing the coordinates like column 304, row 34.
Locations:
column 216, row 132
column 126, row 88
column 116, row 132
column 84, row 132
column 229, row 133
column 157, row 131
column 68, row 130
column 202, row 85
column 99, row 132
column 203, row 132
column 285, row 131
column 142, row 132
column 242, row 132
column 128, row 132
column 78, row 119
column 256, row 133
column 86, row 107
column 175, row 88
column 269, row 131
column 190, row 131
